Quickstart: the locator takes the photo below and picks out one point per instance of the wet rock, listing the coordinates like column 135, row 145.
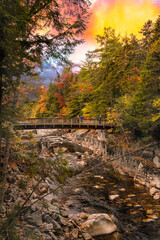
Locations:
column 112, row 197
column 149, row 211
column 77, row 191
column 131, row 195
column 99, row 224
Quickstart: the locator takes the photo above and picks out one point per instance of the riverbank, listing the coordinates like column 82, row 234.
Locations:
column 92, row 192
column 142, row 163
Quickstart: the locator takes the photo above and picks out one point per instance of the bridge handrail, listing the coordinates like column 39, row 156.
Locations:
column 64, row 121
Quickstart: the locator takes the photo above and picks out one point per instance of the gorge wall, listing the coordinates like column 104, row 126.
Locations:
column 142, row 164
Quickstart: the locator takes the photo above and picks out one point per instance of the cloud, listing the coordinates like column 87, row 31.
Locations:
column 49, row 72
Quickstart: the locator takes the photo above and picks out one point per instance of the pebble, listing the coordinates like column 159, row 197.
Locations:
column 149, row 211
column 112, row 197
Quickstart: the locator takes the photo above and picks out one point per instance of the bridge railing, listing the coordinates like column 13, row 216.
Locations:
column 65, row 121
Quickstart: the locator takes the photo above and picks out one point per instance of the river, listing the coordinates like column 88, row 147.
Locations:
column 98, row 188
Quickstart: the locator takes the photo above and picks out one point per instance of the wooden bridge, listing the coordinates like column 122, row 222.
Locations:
column 62, row 123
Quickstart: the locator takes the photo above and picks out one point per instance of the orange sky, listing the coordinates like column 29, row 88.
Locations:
column 126, row 16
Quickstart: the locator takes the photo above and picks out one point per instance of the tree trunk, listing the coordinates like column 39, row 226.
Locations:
column 0, row 116
column 3, row 178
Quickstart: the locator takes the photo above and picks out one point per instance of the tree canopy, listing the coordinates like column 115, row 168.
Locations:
column 32, row 31
column 120, row 80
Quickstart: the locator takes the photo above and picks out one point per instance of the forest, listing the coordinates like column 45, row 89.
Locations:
column 119, row 80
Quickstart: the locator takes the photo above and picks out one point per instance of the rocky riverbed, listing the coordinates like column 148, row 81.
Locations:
column 95, row 201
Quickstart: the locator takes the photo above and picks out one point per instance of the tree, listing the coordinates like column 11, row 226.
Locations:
column 30, row 31
column 24, row 42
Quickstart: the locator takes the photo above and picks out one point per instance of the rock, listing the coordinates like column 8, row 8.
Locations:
column 34, row 195
column 153, row 190
column 49, row 219
column 153, row 216
column 36, row 206
column 156, row 196
column 81, row 133
column 147, row 154
column 36, row 231
column 56, row 225
column 47, row 237
column 64, row 213
column 77, row 190
column 131, row 195
column 48, row 227
column 83, row 215
column 86, row 236
column 3, row 211
column 55, row 216
column 112, row 197
column 149, row 211
column 156, row 161
column 42, row 189
column 49, row 197
column 69, row 203
column 75, row 233
column 99, row 224
column 61, row 220
column 157, row 152
column 37, row 218
column 61, row 238
column 53, row 209
column 53, row 235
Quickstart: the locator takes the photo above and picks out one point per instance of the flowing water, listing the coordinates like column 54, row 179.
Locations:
column 103, row 190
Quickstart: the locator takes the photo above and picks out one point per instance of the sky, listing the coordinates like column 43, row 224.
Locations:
column 125, row 16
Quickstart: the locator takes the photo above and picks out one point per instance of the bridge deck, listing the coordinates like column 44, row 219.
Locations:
column 62, row 123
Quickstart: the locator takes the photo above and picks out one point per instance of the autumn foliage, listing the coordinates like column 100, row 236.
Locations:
column 119, row 81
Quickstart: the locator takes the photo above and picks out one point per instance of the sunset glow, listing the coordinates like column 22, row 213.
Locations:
column 126, row 16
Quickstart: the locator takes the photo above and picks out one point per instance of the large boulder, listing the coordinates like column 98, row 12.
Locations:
column 99, row 224
column 52, row 142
